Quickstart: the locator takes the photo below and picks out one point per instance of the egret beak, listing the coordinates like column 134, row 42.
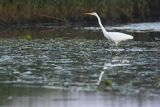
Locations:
column 88, row 13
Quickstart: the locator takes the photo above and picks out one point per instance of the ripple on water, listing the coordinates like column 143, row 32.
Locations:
column 78, row 63
column 133, row 27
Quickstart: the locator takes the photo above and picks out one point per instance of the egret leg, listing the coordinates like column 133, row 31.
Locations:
column 124, row 50
column 110, row 51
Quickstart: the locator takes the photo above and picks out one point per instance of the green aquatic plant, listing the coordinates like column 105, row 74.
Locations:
column 108, row 82
column 28, row 37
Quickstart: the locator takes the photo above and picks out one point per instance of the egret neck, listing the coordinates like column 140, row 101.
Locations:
column 103, row 29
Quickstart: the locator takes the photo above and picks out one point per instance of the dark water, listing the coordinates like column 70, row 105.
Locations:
column 38, row 97
column 64, row 64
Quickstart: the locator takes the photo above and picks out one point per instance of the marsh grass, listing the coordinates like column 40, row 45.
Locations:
column 20, row 11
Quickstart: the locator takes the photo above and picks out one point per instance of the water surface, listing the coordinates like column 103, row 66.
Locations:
column 67, row 62
column 41, row 97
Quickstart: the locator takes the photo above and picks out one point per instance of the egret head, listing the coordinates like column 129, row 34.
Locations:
column 92, row 13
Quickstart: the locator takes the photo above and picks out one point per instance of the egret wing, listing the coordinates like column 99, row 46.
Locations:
column 118, row 36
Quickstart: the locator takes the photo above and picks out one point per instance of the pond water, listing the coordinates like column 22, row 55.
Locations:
column 43, row 97
column 62, row 65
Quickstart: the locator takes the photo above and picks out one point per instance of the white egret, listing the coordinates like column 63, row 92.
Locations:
column 115, row 37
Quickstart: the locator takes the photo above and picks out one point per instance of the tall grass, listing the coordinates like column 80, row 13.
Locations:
column 19, row 11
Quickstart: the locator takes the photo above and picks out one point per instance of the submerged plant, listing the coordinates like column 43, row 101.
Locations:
column 108, row 82
column 28, row 37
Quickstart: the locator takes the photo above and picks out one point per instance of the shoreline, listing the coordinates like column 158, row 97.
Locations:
column 60, row 12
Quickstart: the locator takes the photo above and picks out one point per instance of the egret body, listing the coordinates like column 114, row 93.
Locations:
column 115, row 37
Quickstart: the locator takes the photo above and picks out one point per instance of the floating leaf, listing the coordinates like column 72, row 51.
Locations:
column 108, row 82
column 28, row 37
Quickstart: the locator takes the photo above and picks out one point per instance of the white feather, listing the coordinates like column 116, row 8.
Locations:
column 115, row 37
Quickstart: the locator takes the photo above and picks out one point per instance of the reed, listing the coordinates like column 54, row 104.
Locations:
column 25, row 11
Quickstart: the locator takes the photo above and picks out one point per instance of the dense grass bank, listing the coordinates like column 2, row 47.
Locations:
column 117, row 11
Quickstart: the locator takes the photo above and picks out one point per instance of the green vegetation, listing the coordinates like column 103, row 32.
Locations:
column 29, row 11
column 28, row 37
column 108, row 82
